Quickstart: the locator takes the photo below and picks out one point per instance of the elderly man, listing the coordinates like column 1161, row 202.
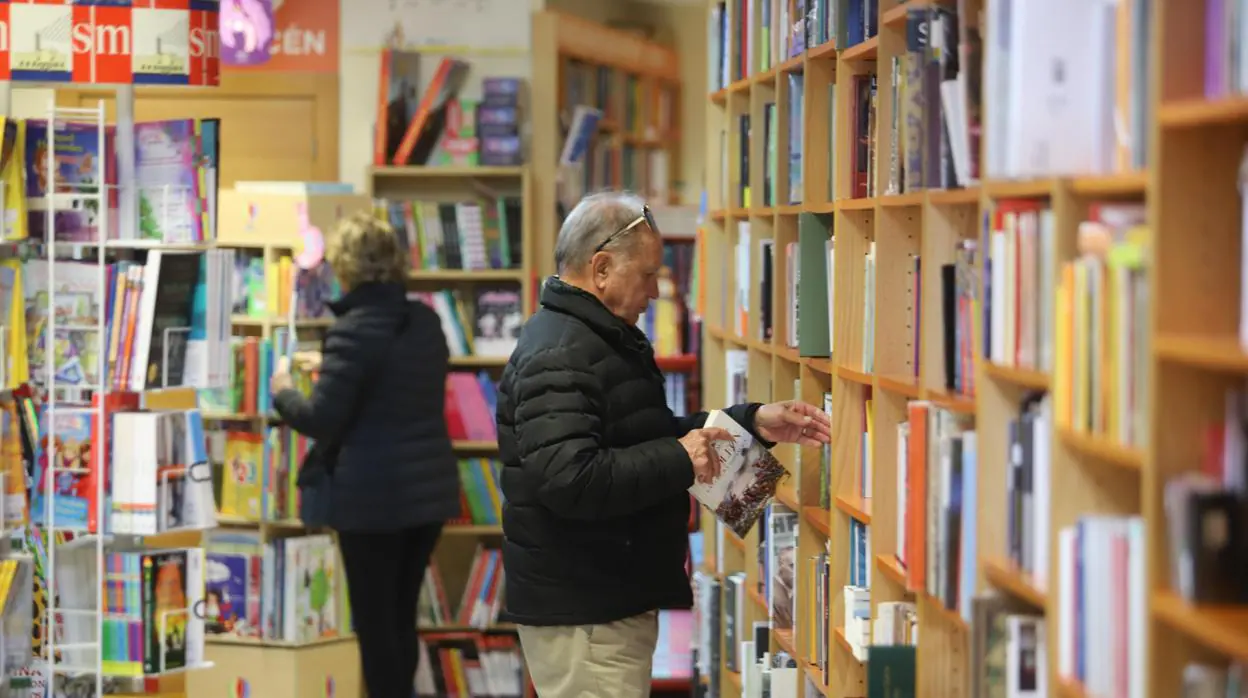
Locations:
column 596, row 467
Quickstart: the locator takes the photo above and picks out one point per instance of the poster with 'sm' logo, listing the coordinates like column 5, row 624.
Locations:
column 140, row 42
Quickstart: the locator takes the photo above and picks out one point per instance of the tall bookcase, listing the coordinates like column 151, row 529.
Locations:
column 634, row 81
column 890, row 250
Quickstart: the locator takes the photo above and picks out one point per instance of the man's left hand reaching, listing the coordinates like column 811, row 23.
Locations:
column 793, row 421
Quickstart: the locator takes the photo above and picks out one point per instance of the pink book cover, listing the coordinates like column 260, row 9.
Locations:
column 167, row 177
column 478, row 421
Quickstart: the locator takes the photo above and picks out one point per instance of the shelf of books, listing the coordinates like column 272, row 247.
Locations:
column 967, row 229
column 606, row 115
column 112, row 304
column 462, row 208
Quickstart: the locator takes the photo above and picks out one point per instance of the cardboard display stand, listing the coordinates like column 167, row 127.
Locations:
column 242, row 669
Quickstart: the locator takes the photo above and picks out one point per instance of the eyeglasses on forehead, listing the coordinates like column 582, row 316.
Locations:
column 646, row 217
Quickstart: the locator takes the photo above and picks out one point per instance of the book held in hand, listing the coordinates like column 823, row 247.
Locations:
column 748, row 477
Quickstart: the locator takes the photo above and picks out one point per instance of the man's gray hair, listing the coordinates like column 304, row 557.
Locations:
column 594, row 219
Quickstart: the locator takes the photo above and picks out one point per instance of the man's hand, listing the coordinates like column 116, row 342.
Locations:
column 793, row 422
column 281, row 379
column 700, row 445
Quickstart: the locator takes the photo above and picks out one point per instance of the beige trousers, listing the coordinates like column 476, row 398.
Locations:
column 612, row 660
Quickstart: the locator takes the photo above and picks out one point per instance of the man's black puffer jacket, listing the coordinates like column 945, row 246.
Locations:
column 386, row 357
column 595, row 482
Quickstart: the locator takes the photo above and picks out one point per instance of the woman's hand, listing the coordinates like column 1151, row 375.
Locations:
column 793, row 422
column 308, row 361
column 281, row 380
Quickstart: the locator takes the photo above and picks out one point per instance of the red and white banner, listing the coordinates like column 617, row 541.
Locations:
column 139, row 42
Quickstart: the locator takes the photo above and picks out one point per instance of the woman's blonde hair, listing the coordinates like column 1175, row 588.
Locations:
column 365, row 249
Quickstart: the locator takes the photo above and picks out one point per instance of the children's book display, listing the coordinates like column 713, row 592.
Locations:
column 100, row 304
column 289, row 590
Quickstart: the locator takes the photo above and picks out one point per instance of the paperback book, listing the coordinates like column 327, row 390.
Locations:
column 748, row 477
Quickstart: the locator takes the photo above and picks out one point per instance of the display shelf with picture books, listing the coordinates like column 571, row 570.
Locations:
column 1029, row 418
column 121, row 324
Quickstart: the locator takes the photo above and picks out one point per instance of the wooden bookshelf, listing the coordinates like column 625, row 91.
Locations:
column 1193, row 357
column 646, row 70
column 453, row 184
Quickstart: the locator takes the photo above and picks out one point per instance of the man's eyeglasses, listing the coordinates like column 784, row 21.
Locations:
column 646, row 217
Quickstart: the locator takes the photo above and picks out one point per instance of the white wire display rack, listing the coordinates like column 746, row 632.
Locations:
column 73, row 659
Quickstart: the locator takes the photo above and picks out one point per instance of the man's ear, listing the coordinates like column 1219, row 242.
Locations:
column 600, row 264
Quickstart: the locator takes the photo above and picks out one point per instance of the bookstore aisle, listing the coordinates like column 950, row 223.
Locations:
column 1003, row 242
column 463, row 210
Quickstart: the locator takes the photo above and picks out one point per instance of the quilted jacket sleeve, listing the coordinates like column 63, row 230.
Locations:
column 327, row 413
column 742, row 414
column 559, row 432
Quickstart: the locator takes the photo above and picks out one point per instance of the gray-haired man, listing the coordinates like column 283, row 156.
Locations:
column 596, row 467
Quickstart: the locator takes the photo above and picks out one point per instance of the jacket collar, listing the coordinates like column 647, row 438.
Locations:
column 563, row 297
column 370, row 294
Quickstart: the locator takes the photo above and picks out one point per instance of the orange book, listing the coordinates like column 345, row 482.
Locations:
column 251, row 375
column 425, row 127
column 396, row 101
column 916, row 497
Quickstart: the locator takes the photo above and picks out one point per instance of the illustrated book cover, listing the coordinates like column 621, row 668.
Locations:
column 748, row 477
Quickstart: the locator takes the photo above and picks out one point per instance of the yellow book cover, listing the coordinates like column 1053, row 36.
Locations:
column 286, row 281
column 491, row 485
column 241, row 489
column 1081, row 348
column 272, row 289
column 1062, row 346
column 13, row 467
column 13, row 309
column 13, row 177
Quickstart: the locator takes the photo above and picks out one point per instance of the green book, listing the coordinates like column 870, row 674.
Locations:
column 891, row 671
column 812, row 287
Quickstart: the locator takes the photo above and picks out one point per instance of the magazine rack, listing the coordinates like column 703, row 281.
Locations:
column 89, row 397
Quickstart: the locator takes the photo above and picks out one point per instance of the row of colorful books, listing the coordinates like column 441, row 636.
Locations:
column 257, row 472
column 490, row 326
column 285, row 590
column 150, row 623
column 266, row 290
column 253, row 360
column 481, row 598
column 162, row 321
column 471, row 235
column 481, row 499
column 152, row 464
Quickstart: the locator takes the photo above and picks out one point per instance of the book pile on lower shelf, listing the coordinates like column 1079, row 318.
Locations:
column 470, row 664
column 286, row 591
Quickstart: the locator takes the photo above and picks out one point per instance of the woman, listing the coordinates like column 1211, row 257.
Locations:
column 393, row 476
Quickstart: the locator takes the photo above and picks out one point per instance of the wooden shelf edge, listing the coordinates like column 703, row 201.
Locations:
column 818, row 518
column 891, row 568
column 844, row 644
column 1101, row 448
column 1003, row 575
column 855, row 507
column 1221, row 628
column 1021, row 377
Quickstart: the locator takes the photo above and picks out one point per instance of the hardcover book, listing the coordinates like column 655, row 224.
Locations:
column 748, row 477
